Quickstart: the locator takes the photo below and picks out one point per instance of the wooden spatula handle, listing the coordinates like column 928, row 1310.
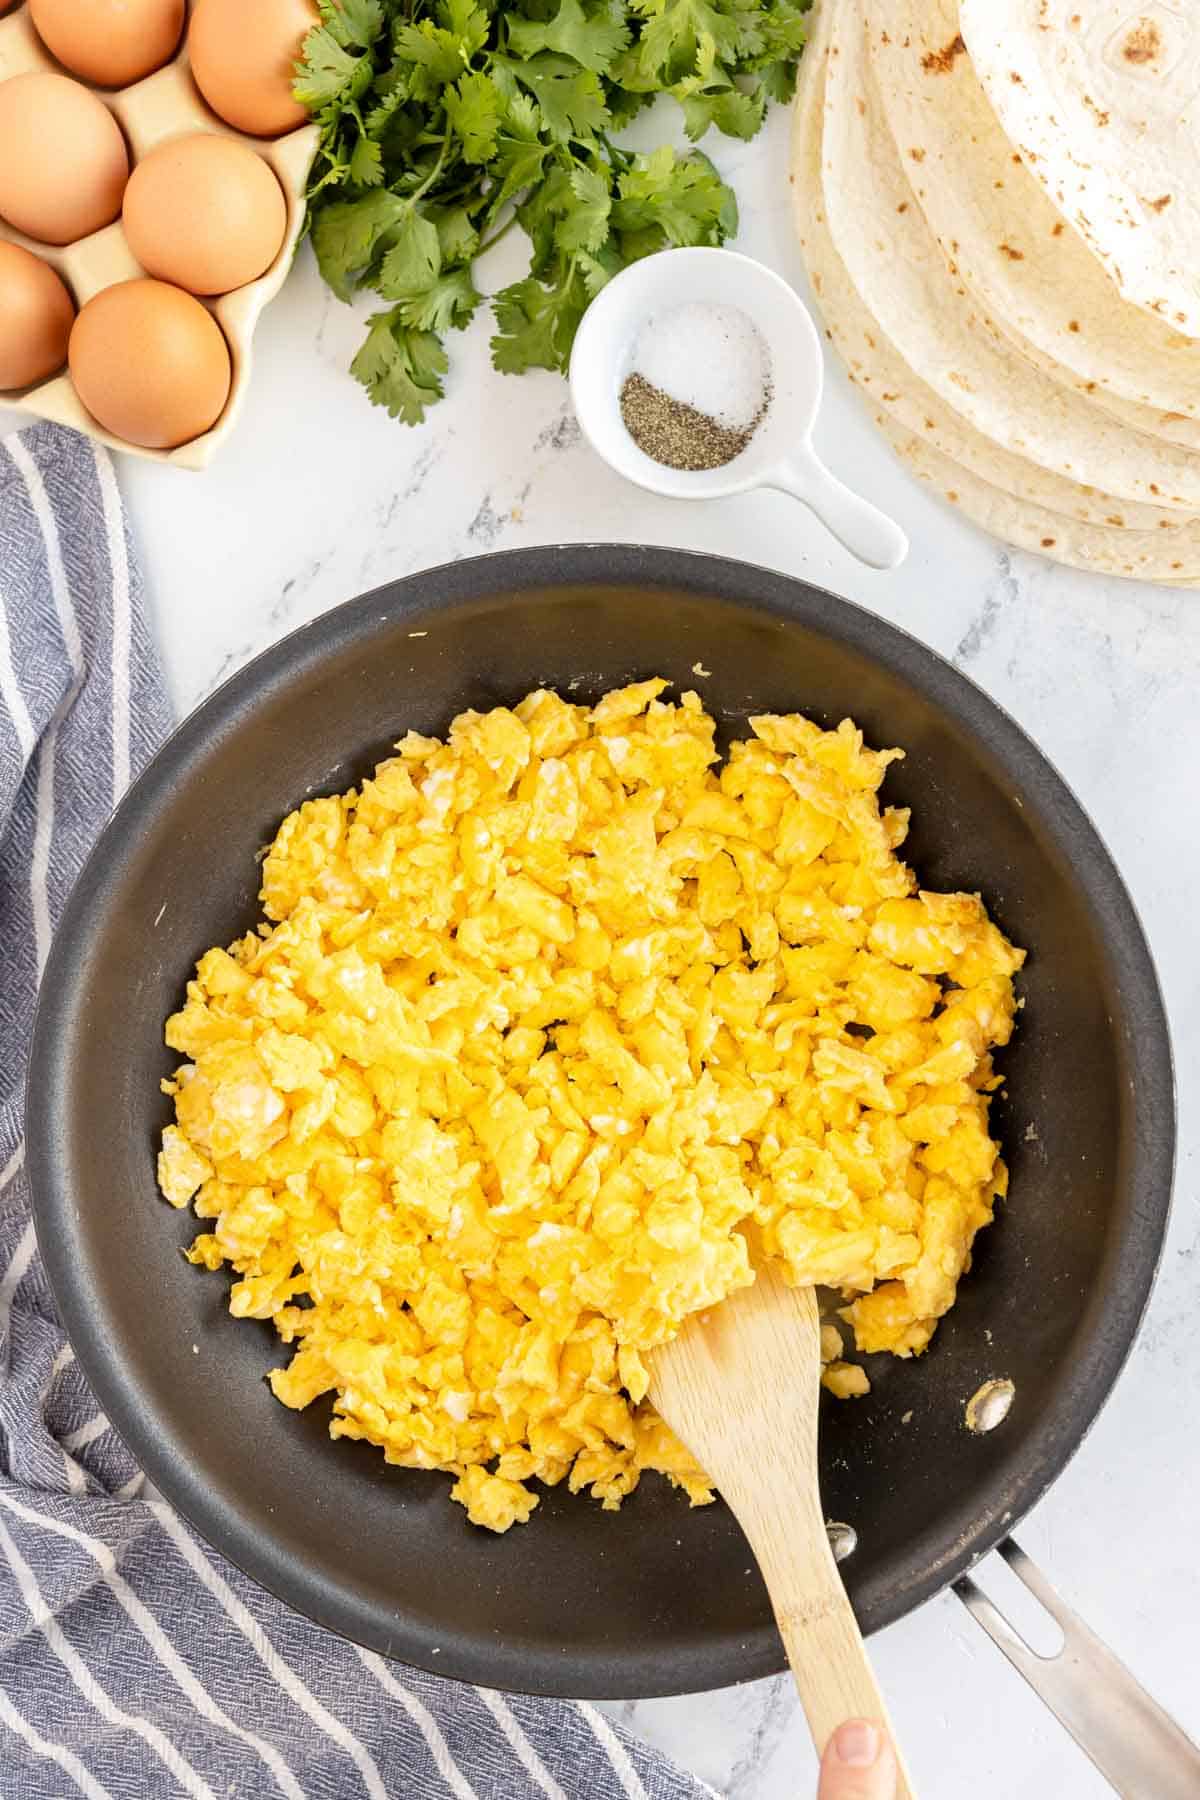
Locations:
column 740, row 1386
column 833, row 1673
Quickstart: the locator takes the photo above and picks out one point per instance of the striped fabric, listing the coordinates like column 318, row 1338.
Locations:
column 134, row 1662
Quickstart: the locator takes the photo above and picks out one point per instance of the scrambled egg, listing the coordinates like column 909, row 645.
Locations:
column 556, row 1027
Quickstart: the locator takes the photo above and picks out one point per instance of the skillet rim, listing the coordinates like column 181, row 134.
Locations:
column 1135, row 1254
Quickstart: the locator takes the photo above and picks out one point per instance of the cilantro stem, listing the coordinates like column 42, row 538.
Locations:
column 419, row 193
column 502, row 232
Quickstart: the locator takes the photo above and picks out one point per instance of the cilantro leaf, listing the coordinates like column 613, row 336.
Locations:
column 520, row 154
column 414, row 259
column 437, row 56
column 467, row 22
column 736, row 114
column 585, row 225
column 449, row 301
column 327, row 71
column 473, row 109
column 541, row 213
column 570, row 98
column 594, row 41
column 354, row 23
column 670, row 44
column 366, row 163
column 683, row 197
column 400, row 368
column 348, row 234
column 777, row 81
column 457, row 235
column 597, row 271
column 709, row 97
column 537, row 322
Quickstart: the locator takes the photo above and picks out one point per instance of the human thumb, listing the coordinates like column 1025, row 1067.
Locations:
column 858, row 1764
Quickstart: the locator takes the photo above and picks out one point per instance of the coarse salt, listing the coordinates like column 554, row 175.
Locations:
column 709, row 357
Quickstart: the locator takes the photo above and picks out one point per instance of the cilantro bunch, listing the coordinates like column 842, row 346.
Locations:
column 445, row 122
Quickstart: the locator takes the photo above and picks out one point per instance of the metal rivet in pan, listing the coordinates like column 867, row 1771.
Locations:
column 843, row 1540
column 988, row 1406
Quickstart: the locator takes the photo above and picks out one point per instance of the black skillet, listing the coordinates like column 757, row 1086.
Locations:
column 656, row 1599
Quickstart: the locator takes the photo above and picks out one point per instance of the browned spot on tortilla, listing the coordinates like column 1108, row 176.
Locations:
column 940, row 62
column 1143, row 43
column 918, row 156
column 1177, row 565
column 1158, row 205
column 1074, row 325
column 903, row 206
column 1090, row 388
column 1075, row 21
column 952, row 494
column 1015, row 157
column 1182, row 317
column 1114, row 519
column 1101, row 117
column 889, row 399
column 929, row 425
column 1014, row 78
column 1012, row 255
column 960, row 381
column 1154, row 488
column 870, row 340
column 862, row 107
column 884, row 38
column 1048, row 543
column 1058, row 230
column 997, row 184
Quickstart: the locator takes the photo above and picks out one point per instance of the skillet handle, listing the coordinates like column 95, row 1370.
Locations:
column 1135, row 1745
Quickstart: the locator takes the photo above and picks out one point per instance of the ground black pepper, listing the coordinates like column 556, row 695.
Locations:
column 676, row 435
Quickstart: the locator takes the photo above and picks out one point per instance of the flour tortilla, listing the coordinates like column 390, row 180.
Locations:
column 887, row 382
column 1102, row 99
column 1032, row 274
column 1031, row 516
column 1170, row 559
column 900, row 273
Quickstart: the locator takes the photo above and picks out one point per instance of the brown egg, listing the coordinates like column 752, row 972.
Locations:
column 110, row 42
column 36, row 315
column 63, row 163
column 243, row 59
column 150, row 364
column 205, row 212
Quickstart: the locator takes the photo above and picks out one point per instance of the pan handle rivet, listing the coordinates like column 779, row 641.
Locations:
column 843, row 1540
column 988, row 1405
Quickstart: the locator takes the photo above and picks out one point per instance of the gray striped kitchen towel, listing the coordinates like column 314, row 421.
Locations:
column 134, row 1662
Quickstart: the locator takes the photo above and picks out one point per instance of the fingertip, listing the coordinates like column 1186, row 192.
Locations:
column 859, row 1763
column 856, row 1744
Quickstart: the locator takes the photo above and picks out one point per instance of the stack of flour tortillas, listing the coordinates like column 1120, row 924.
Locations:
column 999, row 207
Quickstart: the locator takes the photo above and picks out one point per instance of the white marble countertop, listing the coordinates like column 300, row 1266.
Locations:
column 319, row 496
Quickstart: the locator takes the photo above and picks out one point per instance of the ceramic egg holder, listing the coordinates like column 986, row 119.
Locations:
column 163, row 105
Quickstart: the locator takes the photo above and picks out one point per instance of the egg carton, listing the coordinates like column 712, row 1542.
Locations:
column 163, row 105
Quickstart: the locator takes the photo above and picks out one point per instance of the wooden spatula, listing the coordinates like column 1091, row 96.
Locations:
column 739, row 1386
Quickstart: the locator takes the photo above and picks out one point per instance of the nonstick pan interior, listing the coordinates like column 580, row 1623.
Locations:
column 657, row 1598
